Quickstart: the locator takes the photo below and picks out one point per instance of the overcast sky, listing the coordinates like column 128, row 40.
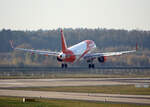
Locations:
column 53, row 14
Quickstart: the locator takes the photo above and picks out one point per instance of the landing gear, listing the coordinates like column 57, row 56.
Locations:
column 64, row 66
column 91, row 66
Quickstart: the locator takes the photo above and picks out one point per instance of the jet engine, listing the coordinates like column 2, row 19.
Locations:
column 102, row 59
column 61, row 57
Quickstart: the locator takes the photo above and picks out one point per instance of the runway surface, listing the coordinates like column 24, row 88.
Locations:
column 12, row 83
column 138, row 99
column 7, row 84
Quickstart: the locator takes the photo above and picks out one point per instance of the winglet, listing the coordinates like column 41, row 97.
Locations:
column 11, row 43
column 64, row 46
column 136, row 46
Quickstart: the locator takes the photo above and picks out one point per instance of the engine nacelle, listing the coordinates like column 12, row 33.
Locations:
column 61, row 56
column 102, row 59
column 58, row 59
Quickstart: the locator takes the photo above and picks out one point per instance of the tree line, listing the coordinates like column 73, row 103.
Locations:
column 105, row 39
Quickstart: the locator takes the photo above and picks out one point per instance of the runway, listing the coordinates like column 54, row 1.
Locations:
column 12, row 83
column 6, row 86
column 138, row 99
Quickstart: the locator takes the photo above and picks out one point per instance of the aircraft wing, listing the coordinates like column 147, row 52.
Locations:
column 47, row 53
column 93, row 55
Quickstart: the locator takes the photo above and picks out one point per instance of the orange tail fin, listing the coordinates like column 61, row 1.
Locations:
column 63, row 42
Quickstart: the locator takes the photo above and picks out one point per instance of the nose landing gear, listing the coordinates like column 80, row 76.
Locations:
column 64, row 66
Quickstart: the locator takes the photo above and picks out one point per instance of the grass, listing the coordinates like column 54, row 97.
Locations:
column 118, row 89
column 17, row 102
column 69, row 75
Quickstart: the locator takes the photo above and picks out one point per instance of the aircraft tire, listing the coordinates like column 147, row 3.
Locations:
column 62, row 66
column 66, row 66
column 89, row 66
column 93, row 66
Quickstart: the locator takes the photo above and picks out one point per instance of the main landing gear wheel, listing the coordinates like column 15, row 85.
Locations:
column 64, row 66
column 91, row 66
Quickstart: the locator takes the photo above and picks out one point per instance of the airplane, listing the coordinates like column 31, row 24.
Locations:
column 81, row 51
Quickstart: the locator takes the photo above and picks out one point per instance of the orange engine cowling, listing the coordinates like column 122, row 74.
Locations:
column 102, row 59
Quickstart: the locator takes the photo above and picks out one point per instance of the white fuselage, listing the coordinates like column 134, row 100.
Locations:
column 79, row 50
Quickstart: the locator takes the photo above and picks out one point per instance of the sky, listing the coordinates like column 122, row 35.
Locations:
column 53, row 14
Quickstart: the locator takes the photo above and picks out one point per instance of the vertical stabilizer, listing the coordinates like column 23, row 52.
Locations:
column 63, row 42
